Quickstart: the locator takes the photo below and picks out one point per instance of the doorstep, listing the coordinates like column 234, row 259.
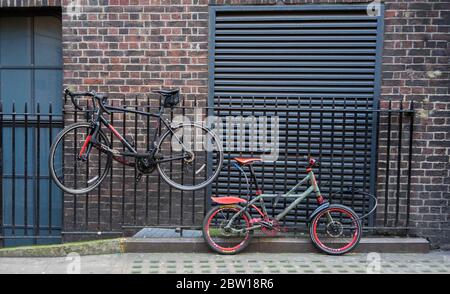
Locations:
column 273, row 245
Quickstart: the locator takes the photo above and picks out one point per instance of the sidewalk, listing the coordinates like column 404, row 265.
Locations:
column 135, row 263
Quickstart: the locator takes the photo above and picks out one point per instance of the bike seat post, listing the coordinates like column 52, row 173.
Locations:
column 255, row 180
column 161, row 104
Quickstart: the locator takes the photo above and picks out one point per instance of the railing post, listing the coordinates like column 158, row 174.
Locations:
column 124, row 130
column 183, row 111
column 147, row 144
column 111, row 180
column 62, row 215
column 399, row 162
column 50, row 191
column 13, row 142
column 410, row 151
column 37, row 212
column 75, row 198
column 135, row 167
column 25, row 196
column 388, row 156
column 375, row 129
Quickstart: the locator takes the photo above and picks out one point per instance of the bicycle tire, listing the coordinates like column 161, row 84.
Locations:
column 53, row 149
column 206, row 236
column 333, row 251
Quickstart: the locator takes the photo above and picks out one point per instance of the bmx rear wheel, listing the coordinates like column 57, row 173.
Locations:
column 226, row 239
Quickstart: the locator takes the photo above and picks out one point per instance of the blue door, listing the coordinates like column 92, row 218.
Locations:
column 30, row 81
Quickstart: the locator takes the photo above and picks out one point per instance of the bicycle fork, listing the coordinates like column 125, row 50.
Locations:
column 320, row 199
column 87, row 145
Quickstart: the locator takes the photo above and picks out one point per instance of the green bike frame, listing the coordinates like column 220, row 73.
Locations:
column 290, row 194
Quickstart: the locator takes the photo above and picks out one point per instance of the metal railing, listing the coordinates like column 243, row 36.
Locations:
column 370, row 150
column 29, row 202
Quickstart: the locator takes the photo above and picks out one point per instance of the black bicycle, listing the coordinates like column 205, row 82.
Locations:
column 188, row 156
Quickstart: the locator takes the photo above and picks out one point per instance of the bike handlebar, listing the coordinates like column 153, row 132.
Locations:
column 101, row 99
column 311, row 161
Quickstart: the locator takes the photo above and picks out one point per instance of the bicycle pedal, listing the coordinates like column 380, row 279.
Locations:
column 266, row 224
column 138, row 178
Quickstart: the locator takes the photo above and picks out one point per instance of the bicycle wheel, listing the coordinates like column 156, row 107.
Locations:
column 189, row 157
column 335, row 230
column 227, row 240
column 69, row 172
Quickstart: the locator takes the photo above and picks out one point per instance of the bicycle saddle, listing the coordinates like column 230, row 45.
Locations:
column 166, row 92
column 246, row 160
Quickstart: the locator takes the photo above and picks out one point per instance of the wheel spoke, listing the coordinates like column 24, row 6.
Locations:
column 196, row 170
column 71, row 174
column 223, row 239
column 335, row 230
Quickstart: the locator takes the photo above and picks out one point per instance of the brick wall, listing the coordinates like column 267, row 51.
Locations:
column 131, row 47
column 125, row 47
column 416, row 68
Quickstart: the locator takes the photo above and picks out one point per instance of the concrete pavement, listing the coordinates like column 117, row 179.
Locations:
column 268, row 263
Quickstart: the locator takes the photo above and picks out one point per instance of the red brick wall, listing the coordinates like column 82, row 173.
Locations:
column 416, row 68
column 124, row 47
column 131, row 47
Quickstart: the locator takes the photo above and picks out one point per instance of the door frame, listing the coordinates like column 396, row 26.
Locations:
column 32, row 124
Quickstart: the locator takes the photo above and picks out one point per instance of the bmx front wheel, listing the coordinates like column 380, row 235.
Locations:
column 335, row 230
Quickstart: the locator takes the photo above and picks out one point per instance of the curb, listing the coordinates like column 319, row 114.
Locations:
column 109, row 246
column 197, row 245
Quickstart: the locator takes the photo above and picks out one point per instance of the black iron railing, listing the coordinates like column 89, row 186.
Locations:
column 370, row 150
column 29, row 202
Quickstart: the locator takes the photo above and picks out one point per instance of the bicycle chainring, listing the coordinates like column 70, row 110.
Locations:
column 146, row 165
column 271, row 226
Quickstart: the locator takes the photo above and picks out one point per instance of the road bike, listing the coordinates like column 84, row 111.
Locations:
column 81, row 155
column 228, row 227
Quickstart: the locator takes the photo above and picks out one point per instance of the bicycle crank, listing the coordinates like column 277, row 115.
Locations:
column 270, row 226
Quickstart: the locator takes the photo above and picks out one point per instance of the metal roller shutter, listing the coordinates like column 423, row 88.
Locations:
column 301, row 58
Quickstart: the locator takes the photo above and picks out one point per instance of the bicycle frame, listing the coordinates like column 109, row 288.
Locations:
column 290, row 194
column 99, row 120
